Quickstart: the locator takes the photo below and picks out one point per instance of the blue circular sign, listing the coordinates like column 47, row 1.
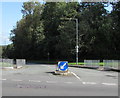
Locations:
column 63, row 66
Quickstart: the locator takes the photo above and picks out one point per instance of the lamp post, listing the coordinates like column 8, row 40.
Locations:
column 77, row 41
column 77, row 47
column 48, row 56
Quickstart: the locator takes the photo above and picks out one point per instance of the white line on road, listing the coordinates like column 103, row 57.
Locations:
column 89, row 83
column 51, row 81
column 34, row 81
column 43, row 65
column 3, row 79
column 68, row 82
column 76, row 75
column 109, row 84
column 16, row 80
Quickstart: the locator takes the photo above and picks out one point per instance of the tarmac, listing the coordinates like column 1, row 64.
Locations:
column 40, row 80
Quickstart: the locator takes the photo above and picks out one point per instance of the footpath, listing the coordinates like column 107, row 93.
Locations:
column 100, row 68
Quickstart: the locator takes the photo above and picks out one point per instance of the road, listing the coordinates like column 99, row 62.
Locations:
column 38, row 80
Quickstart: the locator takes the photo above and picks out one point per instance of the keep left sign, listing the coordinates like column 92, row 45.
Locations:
column 63, row 65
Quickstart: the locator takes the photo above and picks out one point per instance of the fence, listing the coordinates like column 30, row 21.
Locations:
column 10, row 62
column 107, row 64
column 114, row 64
column 20, row 62
column 0, row 59
column 0, row 62
column 91, row 63
column 7, row 62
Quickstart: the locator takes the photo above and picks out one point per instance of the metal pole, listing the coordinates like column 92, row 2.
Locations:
column 76, row 20
column 48, row 56
column 77, row 41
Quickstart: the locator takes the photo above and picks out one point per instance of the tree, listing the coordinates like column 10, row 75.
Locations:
column 47, row 29
column 28, row 32
column 8, row 51
column 94, row 27
column 115, row 36
column 57, row 40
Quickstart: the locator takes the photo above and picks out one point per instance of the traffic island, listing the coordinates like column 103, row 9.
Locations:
column 7, row 67
column 101, row 68
column 62, row 69
column 17, row 67
column 64, row 73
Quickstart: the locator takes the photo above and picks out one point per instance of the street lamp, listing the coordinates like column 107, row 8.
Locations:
column 77, row 41
column 48, row 56
column 77, row 47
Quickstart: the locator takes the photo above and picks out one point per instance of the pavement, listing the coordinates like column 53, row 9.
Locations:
column 101, row 68
column 39, row 80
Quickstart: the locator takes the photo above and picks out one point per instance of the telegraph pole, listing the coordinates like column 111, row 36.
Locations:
column 77, row 41
column 77, row 47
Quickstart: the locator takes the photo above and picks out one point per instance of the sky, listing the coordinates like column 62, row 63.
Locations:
column 10, row 13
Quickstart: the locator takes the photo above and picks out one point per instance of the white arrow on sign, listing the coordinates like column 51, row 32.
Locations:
column 62, row 67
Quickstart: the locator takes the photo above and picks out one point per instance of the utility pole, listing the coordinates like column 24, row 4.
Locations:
column 77, row 47
column 77, row 41
column 48, row 56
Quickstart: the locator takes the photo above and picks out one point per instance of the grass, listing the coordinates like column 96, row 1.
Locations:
column 55, row 62
column 70, row 63
column 6, row 65
column 82, row 63
column 114, row 64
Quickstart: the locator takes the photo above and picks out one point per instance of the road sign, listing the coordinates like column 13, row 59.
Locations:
column 63, row 65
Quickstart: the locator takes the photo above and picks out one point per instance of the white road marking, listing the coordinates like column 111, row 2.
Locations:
column 68, row 82
column 3, row 79
column 16, row 80
column 89, row 83
column 109, row 83
column 62, row 67
column 76, row 75
column 51, row 81
column 34, row 81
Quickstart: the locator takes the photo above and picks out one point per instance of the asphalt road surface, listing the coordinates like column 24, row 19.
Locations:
column 38, row 80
